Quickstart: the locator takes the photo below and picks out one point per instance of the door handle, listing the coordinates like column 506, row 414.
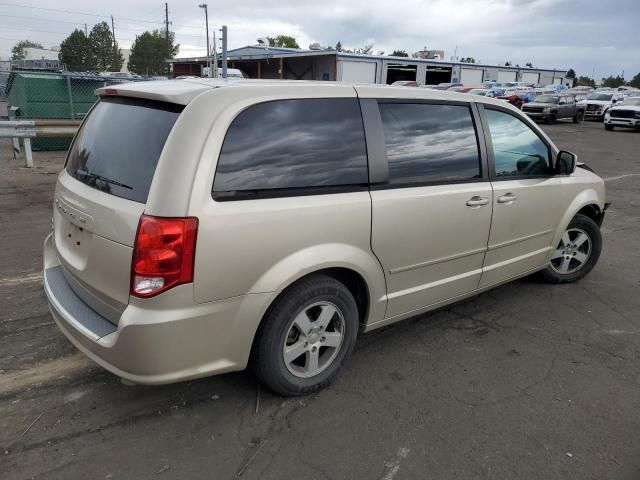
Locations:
column 477, row 201
column 507, row 198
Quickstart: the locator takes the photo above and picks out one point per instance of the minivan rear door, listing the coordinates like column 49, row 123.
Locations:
column 101, row 194
column 430, row 221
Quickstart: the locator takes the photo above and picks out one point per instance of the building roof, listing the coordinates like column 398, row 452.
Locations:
column 255, row 52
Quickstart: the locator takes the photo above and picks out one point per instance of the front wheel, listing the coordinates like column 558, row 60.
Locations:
column 577, row 252
column 306, row 337
column 608, row 127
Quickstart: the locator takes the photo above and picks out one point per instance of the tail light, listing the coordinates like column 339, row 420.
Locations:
column 163, row 254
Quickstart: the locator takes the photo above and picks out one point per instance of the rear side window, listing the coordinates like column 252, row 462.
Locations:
column 429, row 143
column 287, row 144
column 118, row 147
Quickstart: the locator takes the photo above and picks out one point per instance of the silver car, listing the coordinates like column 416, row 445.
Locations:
column 205, row 225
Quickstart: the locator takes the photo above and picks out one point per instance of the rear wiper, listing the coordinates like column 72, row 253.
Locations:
column 94, row 176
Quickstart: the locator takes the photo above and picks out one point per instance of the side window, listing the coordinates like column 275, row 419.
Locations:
column 294, row 144
column 517, row 150
column 429, row 143
column 570, row 100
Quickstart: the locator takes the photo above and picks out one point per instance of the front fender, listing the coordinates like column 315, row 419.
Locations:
column 323, row 256
column 588, row 196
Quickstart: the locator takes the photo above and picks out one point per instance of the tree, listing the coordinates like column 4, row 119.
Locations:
column 149, row 52
column 399, row 53
column 610, row 81
column 17, row 52
column 528, row 64
column 338, row 46
column 284, row 41
column 586, row 81
column 468, row 60
column 104, row 49
column 507, row 63
column 75, row 52
column 635, row 81
column 571, row 73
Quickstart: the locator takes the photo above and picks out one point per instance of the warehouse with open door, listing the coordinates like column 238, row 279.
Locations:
column 506, row 76
column 437, row 74
column 471, row 77
column 401, row 71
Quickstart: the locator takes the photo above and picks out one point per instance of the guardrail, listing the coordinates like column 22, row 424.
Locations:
column 28, row 129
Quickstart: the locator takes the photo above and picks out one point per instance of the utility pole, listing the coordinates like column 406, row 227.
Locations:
column 85, row 30
column 224, row 51
column 166, row 24
column 113, row 33
column 215, row 57
column 206, row 21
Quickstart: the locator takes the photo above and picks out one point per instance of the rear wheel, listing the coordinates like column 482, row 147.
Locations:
column 306, row 337
column 577, row 252
column 608, row 127
column 550, row 119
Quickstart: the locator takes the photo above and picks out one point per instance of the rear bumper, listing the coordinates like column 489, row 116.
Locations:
column 165, row 339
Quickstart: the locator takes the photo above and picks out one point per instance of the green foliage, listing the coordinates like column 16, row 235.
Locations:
column 399, row 53
column 284, row 41
column 17, row 52
column 338, row 46
column 149, row 52
column 528, row 64
column 610, row 81
column 586, row 82
column 106, row 56
column 571, row 73
column 507, row 63
column 75, row 52
column 468, row 60
column 635, row 81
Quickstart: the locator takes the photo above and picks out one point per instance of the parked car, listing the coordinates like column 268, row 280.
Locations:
column 598, row 103
column 445, row 86
column 405, row 83
column 460, row 89
column 269, row 223
column 554, row 107
column 485, row 92
column 625, row 114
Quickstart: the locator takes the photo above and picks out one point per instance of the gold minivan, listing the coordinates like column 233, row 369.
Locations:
column 203, row 225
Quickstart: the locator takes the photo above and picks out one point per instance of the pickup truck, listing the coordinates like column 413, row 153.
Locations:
column 550, row 108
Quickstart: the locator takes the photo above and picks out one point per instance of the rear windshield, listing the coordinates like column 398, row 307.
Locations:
column 118, row 147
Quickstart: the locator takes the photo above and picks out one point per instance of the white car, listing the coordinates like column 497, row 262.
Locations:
column 598, row 103
column 625, row 115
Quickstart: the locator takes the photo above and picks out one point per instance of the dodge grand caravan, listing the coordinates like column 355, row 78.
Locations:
column 201, row 226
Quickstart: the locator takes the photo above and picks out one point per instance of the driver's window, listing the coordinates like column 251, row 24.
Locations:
column 517, row 150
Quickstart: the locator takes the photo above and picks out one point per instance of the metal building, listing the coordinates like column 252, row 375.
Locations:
column 297, row 64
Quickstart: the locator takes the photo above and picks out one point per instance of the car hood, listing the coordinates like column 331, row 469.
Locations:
column 595, row 102
column 635, row 108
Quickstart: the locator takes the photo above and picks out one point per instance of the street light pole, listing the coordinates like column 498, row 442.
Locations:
column 206, row 21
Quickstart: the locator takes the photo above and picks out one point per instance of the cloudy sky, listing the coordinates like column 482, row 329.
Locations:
column 591, row 36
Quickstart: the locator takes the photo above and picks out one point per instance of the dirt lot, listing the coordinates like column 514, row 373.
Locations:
column 528, row 381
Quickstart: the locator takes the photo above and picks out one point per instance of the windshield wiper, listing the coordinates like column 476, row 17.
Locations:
column 94, row 176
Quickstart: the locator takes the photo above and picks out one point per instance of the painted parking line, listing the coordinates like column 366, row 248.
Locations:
column 29, row 278
column 620, row 177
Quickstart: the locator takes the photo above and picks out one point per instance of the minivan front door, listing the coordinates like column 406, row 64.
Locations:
column 526, row 198
column 430, row 222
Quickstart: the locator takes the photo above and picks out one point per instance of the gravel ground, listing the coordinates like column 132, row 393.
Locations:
column 527, row 381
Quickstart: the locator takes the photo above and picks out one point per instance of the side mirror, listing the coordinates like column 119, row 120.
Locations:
column 566, row 162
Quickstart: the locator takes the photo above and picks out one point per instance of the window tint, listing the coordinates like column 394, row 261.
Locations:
column 429, row 143
column 294, row 144
column 517, row 150
column 118, row 147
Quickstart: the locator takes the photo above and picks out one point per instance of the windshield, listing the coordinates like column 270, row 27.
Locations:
column 600, row 96
column 117, row 149
column 547, row 99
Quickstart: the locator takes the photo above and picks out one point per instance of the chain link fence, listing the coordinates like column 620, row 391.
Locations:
column 38, row 95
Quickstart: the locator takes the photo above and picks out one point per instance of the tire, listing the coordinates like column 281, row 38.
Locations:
column 571, row 257
column 608, row 127
column 550, row 120
column 577, row 117
column 307, row 303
